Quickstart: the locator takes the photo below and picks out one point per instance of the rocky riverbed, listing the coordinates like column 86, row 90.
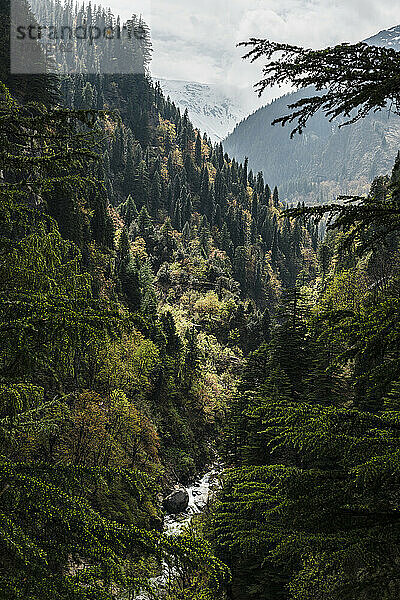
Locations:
column 199, row 494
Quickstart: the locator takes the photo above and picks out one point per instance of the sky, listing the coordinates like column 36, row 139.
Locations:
column 195, row 40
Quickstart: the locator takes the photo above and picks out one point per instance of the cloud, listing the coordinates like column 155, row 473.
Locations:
column 197, row 40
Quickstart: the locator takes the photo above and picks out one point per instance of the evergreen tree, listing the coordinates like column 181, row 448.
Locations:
column 275, row 198
column 130, row 212
column 129, row 172
column 128, row 273
column 244, row 175
column 198, row 151
column 155, row 193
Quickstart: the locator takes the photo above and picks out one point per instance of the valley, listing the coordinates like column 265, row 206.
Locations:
column 199, row 357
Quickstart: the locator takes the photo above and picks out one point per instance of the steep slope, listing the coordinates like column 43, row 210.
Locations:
column 324, row 160
column 179, row 234
column 389, row 38
column 210, row 109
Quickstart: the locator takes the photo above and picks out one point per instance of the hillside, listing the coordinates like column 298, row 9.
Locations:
column 325, row 160
column 199, row 390
column 140, row 267
column 387, row 38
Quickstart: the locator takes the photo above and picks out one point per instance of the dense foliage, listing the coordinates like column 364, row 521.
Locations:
column 310, row 506
column 155, row 298
column 78, row 467
column 139, row 265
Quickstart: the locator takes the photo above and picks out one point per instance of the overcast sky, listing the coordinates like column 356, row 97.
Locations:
column 196, row 40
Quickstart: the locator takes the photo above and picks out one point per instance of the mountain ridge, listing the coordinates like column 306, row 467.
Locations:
column 349, row 157
column 390, row 38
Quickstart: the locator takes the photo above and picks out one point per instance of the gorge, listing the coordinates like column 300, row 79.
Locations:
column 170, row 325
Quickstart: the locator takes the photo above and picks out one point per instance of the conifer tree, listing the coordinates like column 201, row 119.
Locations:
column 130, row 212
column 366, row 76
column 244, row 175
column 129, row 172
column 128, row 273
column 275, row 198
column 198, row 151
column 155, row 193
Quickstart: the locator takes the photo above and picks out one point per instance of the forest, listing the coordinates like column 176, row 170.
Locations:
column 160, row 306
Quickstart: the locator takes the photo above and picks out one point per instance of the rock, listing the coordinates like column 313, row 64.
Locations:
column 176, row 502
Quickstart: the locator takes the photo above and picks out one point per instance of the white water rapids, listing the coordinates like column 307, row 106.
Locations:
column 199, row 495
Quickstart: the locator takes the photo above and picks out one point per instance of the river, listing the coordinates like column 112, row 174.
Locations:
column 199, row 495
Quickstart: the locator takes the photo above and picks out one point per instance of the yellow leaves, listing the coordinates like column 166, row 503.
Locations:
column 127, row 364
column 138, row 249
column 181, row 318
column 116, row 219
column 166, row 128
column 214, row 391
column 177, row 158
column 205, row 149
column 164, row 169
column 190, row 266
column 108, row 432
column 166, row 134
column 86, row 439
column 208, row 306
column 110, row 124
column 228, row 308
column 133, row 430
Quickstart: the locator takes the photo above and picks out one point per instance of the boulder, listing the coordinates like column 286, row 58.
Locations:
column 176, row 502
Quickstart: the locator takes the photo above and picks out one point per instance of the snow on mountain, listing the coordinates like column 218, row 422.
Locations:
column 210, row 109
column 390, row 38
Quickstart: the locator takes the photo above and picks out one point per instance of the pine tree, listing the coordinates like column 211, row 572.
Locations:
column 155, row 193
column 145, row 226
column 288, row 345
column 130, row 212
column 357, row 96
column 198, row 151
column 191, row 359
column 141, row 186
column 245, row 170
column 117, row 156
column 275, row 198
column 128, row 273
column 129, row 172
column 205, row 191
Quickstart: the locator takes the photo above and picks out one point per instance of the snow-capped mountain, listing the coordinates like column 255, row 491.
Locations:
column 210, row 109
column 390, row 38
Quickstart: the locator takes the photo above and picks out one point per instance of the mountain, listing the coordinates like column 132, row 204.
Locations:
column 210, row 109
column 139, row 267
column 390, row 38
column 325, row 160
